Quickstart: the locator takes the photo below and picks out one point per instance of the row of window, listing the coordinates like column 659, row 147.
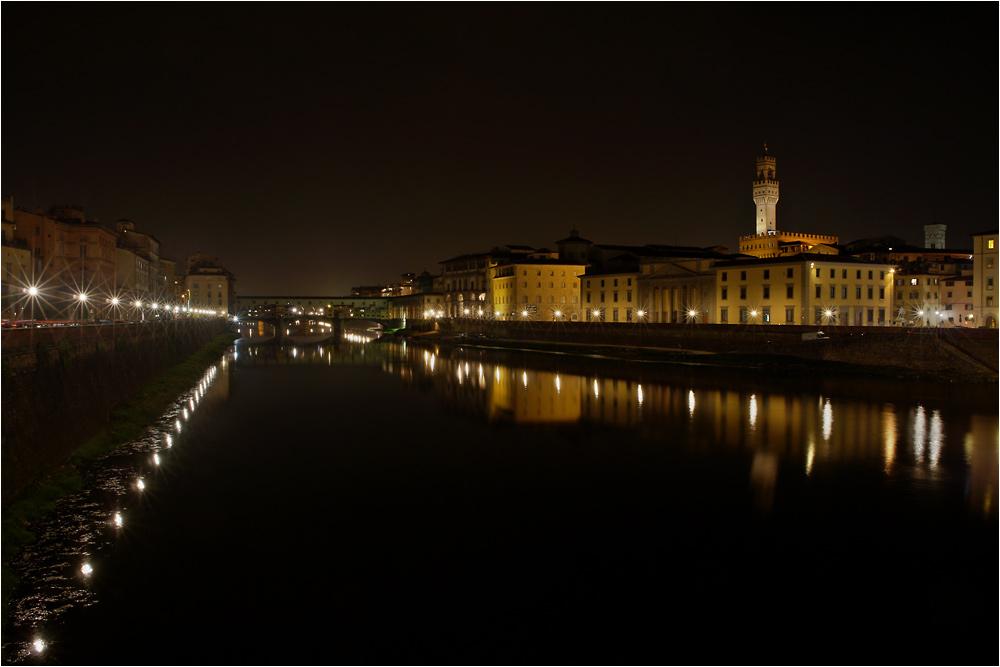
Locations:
column 764, row 316
column 615, row 281
column 614, row 296
column 790, row 292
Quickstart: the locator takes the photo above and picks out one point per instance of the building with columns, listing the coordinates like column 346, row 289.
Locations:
column 767, row 240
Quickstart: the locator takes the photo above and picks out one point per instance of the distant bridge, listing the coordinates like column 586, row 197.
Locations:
column 302, row 328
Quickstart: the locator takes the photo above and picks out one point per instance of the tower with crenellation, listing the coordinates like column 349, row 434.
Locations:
column 768, row 241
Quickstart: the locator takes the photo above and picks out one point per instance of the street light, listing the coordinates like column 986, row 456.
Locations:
column 83, row 299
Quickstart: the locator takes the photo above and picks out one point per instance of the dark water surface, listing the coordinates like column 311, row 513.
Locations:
column 389, row 503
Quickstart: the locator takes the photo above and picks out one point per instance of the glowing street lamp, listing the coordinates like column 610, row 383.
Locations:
column 640, row 313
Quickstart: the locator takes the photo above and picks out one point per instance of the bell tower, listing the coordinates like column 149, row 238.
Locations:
column 765, row 193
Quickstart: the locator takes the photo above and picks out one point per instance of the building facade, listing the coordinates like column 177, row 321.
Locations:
column 984, row 289
column 807, row 289
column 538, row 289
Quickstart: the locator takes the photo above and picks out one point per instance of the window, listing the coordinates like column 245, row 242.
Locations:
column 790, row 291
column 725, row 293
column 743, row 314
column 767, row 291
column 881, row 293
column 833, row 273
column 843, row 273
column 989, row 283
column 869, row 275
column 614, row 296
column 833, row 291
column 616, row 282
column 602, row 283
column 790, row 273
column 723, row 315
column 628, row 295
column 859, row 274
column 843, row 293
column 588, row 284
column 602, row 297
column 628, row 313
column 767, row 274
column 819, row 294
column 588, row 297
column 723, row 276
column 790, row 315
column 817, row 273
column 989, row 244
column 871, row 292
column 629, row 282
column 743, row 275
column 743, row 291
column 857, row 292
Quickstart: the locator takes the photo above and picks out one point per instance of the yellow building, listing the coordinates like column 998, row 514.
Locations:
column 984, row 294
column 16, row 266
column 538, row 289
column 611, row 297
column 210, row 287
column 806, row 289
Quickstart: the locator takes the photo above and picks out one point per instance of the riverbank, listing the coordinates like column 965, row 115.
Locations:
column 933, row 355
column 127, row 422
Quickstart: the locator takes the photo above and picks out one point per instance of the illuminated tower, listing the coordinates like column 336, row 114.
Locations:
column 765, row 193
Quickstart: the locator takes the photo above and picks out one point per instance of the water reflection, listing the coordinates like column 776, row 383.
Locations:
column 818, row 432
column 57, row 571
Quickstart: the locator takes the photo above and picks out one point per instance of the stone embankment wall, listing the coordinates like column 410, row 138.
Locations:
column 950, row 352
column 59, row 388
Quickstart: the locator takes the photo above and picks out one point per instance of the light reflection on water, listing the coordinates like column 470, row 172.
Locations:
column 785, row 436
column 56, row 570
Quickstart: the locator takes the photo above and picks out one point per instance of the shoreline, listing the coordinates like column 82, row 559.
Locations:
column 127, row 423
column 779, row 362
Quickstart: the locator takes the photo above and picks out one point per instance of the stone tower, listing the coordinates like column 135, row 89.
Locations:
column 934, row 236
column 765, row 193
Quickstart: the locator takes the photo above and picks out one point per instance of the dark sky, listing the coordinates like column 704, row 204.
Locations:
column 316, row 146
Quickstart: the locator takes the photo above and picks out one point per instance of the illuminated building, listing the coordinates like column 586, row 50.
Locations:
column 138, row 273
column 538, row 287
column 610, row 297
column 768, row 241
column 210, row 287
column 465, row 280
column 16, row 264
column 70, row 256
column 804, row 289
column 984, row 296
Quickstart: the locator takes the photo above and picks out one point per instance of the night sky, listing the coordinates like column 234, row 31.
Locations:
column 312, row 147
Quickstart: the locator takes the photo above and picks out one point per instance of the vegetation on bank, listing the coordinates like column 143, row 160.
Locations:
column 127, row 423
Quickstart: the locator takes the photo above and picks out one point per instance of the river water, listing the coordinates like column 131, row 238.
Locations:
column 399, row 503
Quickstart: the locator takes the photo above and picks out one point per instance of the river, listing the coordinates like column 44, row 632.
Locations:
column 400, row 503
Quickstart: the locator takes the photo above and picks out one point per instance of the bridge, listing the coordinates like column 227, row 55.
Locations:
column 298, row 328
